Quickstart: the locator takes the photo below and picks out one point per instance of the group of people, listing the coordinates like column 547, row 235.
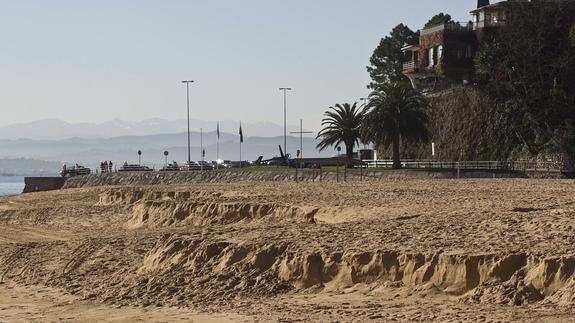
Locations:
column 106, row 166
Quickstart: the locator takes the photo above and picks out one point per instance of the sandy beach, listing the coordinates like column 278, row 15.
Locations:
column 401, row 249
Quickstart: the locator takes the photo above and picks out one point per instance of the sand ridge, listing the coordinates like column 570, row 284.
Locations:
column 399, row 249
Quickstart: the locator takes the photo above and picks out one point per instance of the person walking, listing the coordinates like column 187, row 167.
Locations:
column 110, row 166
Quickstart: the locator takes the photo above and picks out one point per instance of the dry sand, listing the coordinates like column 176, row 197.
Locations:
column 407, row 250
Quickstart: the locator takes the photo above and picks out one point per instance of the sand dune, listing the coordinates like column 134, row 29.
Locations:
column 405, row 249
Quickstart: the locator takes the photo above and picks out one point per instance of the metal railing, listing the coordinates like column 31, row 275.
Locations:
column 453, row 26
column 409, row 67
column 519, row 165
column 489, row 23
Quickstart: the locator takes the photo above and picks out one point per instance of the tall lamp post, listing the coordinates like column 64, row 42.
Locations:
column 188, row 105
column 285, row 89
column 365, row 101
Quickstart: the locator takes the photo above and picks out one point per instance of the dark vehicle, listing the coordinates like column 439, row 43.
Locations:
column 205, row 165
column 239, row 164
column 134, row 168
column 282, row 160
column 276, row 161
column 75, row 170
column 187, row 166
column 173, row 167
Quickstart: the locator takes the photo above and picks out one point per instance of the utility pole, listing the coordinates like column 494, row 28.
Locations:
column 188, row 105
column 285, row 89
column 301, row 133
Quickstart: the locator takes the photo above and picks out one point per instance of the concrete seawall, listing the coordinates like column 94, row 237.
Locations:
column 223, row 176
column 40, row 184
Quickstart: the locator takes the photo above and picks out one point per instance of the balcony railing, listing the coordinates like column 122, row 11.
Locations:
column 489, row 23
column 409, row 67
column 454, row 27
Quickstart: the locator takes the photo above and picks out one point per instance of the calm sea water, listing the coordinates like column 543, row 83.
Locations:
column 11, row 185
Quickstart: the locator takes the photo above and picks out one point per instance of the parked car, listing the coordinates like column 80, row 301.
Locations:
column 238, row 164
column 75, row 171
column 172, row 167
column 205, row 165
column 134, row 168
column 192, row 165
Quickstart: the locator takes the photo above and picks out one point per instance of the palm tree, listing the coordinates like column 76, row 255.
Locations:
column 341, row 124
column 395, row 113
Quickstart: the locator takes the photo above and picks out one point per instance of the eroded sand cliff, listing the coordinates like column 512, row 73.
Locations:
column 407, row 249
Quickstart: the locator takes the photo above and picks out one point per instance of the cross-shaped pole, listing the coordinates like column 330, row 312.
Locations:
column 301, row 133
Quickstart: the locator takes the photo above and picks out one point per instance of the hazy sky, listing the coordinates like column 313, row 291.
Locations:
column 86, row 60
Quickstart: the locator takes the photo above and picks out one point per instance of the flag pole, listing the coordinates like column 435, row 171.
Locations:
column 241, row 139
column 218, row 147
column 202, row 147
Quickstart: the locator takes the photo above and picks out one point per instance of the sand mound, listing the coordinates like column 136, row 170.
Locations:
column 168, row 208
column 176, row 265
column 375, row 252
column 168, row 213
column 129, row 196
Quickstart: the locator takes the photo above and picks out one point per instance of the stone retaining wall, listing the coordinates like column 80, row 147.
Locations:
column 307, row 175
column 39, row 184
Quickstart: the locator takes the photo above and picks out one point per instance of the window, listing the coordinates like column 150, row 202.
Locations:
column 488, row 17
column 439, row 53
column 430, row 57
column 468, row 52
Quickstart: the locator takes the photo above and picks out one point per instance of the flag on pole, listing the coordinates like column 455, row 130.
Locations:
column 218, row 130
column 241, row 133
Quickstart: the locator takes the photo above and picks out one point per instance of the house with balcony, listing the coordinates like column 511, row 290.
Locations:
column 445, row 52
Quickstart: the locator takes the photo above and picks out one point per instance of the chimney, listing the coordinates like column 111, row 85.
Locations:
column 482, row 3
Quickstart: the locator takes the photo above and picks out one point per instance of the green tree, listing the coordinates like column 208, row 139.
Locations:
column 537, row 89
column 395, row 113
column 439, row 19
column 341, row 124
column 388, row 58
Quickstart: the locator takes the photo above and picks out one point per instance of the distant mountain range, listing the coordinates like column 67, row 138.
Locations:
column 53, row 129
column 28, row 167
column 90, row 151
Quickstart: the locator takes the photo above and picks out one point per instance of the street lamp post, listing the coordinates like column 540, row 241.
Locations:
column 365, row 101
column 285, row 89
column 188, row 105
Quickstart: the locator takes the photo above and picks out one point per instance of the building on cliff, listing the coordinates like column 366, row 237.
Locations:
column 445, row 53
